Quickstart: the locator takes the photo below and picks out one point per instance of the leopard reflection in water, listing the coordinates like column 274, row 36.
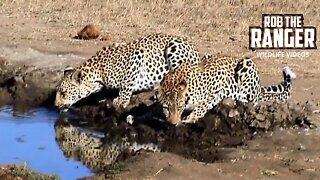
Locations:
column 93, row 148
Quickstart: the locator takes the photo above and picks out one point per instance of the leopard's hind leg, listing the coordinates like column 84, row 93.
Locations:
column 248, row 80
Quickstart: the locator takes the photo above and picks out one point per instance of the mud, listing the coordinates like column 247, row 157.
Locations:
column 230, row 124
column 209, row 140
column 26, row 87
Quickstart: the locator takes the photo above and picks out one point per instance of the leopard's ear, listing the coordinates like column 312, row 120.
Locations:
column 182, row 86
column 76, row 76
column 67, row 71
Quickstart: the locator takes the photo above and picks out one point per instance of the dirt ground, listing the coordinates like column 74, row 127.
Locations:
column 36, row 36
column 14, row 172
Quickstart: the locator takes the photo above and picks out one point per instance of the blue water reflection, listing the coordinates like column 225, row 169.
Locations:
column 30, row 138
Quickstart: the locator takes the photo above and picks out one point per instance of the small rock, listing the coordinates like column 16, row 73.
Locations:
column 302, row 147
column 233, row 113
column 130, row 119
column 228, row 102
column 19, row 79
column 310, row 106
column 269, row 172
column 260, row 117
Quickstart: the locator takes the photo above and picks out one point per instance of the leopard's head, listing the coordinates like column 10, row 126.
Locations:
column 172, row 95
column 74, row 86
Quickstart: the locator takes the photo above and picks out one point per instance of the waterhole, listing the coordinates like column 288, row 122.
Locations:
column 29, row 138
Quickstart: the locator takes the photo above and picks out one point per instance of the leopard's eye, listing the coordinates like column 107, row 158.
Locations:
column 63, row 93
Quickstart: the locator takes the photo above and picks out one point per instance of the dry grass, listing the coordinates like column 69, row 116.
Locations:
column 203, row 18
column 209, row 24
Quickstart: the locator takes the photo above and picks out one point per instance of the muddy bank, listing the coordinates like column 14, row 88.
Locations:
column 210, row 140
column 26, row 87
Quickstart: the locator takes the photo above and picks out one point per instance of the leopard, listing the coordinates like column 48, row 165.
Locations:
column 128, row 67
column 200, row 87
column 93, row 148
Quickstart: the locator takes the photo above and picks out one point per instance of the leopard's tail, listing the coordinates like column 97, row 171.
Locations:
column 280, row 92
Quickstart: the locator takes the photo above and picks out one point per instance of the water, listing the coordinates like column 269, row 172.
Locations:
column 30, row 138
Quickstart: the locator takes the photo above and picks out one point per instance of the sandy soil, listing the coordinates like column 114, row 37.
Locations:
column 39, row 34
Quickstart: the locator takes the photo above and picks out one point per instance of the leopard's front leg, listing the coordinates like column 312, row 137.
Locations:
column 202, row 108
column 123, row 100
column 129, row 81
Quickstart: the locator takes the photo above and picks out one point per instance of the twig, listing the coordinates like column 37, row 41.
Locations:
column 306, row 89
column 316, row 111
column 158, row 172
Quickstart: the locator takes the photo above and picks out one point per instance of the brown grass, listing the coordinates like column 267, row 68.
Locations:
column 209, row 24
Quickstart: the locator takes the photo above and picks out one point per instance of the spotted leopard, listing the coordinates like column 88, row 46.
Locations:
column 92, row 148
column 200, row 87
column 131, row 67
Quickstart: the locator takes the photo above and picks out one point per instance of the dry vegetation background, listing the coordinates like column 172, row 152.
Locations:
column 203, row 21
column 214, row 26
